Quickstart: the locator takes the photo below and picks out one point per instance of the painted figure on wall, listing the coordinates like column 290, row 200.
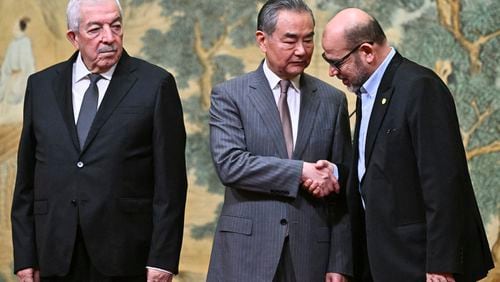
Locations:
column 18, row 64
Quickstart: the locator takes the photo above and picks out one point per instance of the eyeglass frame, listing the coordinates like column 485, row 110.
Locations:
column 337, row 64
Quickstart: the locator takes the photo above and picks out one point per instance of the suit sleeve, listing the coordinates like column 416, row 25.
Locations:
column 236, row 166
column 442, row 170
column 23, row 228
column 341, row 243
column 170, row 188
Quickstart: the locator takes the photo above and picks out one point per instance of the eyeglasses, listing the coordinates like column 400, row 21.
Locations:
column 337, row 64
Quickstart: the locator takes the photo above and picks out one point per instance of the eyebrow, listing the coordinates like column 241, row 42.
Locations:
column 295, row 35
column 117, row 19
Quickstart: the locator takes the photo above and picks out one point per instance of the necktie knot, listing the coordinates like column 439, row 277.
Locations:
column 94, row 78
column 88, row 109
column 284, row 85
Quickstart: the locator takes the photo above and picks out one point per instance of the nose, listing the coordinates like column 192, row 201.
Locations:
column 300, row 49
column 332, row 71
column 107, row 34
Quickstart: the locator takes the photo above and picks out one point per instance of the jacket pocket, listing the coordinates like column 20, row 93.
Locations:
column 235, row 224
column 135, row 205
column 40, row 207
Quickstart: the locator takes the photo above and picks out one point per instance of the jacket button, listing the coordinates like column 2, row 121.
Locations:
column 73, row 202
column 283, row 221
column 79, row 164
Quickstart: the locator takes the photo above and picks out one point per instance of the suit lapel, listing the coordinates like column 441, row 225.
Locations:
column 63, row 95
column 262, row 97
column 309, row 104
column 121, row 82
column 354, row 167
column 381, row 104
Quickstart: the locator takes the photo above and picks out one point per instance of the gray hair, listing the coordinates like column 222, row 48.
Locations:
column 268, row 15
column 73, row 13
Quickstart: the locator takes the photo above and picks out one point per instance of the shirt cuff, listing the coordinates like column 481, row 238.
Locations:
column 335, row 171
column 159, row 269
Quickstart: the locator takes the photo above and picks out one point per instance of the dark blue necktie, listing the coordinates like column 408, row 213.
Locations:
column 88, row 109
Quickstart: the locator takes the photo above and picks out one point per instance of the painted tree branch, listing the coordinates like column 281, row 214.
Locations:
column 466, row 135
column 483, row 150
column 206, row 55
column 449, row 17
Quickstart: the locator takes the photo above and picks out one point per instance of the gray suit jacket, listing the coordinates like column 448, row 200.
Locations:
column 263, row 198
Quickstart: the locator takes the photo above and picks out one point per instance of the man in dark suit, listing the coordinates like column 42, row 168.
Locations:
column 270, row 130
column 414, row 212
column 100, row 198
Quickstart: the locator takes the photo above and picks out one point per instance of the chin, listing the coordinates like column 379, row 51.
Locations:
column 296, row 71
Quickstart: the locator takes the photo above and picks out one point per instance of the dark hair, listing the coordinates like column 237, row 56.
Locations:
column 23, row 23
column 268, row 15
column 366, row 32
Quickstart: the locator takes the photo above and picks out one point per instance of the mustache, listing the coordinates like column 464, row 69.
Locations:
column 107, row 48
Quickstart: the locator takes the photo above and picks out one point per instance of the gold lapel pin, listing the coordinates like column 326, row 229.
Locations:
column 384, row 100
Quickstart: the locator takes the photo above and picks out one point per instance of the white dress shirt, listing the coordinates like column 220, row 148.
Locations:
column 293, row 100
column 81, row 82
column 293, row 96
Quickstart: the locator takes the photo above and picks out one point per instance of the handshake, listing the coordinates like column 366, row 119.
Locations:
column 318, row 179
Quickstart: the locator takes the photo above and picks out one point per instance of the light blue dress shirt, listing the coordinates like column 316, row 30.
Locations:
column 368, row 94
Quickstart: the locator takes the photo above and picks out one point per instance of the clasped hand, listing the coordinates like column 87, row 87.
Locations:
column 318, row 179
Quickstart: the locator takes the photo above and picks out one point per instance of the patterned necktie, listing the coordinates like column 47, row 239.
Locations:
column 88, row 109
column 286, row 123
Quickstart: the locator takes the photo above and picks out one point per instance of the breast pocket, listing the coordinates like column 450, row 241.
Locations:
column 131, row 110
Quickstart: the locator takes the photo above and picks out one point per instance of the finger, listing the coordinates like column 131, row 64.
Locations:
column 317, row 193
column 307, row 183
column 336, row 187
column 313, row 186
column 321, row 164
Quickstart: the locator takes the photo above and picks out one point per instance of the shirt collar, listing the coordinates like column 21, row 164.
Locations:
column 81, row 70
column 371, row 85
column 274, row 80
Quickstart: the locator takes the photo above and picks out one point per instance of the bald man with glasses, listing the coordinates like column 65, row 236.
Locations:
column 413, row 210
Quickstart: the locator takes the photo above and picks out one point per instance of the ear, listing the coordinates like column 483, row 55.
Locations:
column 369, row 52
column 260, row 37
column 73, row 38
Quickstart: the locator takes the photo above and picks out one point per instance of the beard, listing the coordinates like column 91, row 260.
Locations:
column 361, row 75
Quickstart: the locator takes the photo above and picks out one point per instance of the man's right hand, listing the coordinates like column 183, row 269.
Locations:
column 28, row 275
column 318, row 179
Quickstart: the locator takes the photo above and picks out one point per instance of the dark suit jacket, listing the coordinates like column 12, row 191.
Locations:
column 126, row 188
column 421, row 214
column 263, row 197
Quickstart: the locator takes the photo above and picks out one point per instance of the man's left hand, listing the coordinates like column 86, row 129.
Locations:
column 335, row 277
column 159, row 276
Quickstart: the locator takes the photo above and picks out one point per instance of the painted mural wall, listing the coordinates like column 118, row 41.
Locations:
column 204, row 42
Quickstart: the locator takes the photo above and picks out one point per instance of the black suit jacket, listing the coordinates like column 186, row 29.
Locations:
column 126, row 188
column 421, row 214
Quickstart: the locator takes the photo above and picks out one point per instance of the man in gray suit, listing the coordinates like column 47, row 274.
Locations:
column 280, row 140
